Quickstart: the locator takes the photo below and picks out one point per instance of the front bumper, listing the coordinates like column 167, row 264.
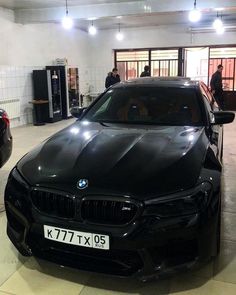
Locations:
column 148, row 247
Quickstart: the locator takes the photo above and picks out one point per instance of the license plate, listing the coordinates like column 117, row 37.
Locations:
column 77, row 238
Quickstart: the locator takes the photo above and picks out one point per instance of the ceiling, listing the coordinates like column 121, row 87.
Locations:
column 129, row 13
column 29, row 4
column 155, row 19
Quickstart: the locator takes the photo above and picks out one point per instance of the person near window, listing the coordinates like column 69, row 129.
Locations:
column 146, row 72
column 216, row 86
column 112, row 78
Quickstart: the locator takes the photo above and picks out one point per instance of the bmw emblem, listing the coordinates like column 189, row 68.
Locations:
column 82, row 183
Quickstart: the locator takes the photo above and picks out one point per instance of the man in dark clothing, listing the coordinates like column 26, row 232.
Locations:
column 216, row 86
column 146, row 72
column 112, row 78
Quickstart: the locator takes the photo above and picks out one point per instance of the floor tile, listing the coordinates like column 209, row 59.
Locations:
column 228, row 175
column 40, row 277
column 229, row 201
column 225, row 264
column 100, row 285
column 10, row 260
column 189, row 285
column 228, row 229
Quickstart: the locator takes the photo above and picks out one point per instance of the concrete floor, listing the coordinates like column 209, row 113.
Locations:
column 23, row 276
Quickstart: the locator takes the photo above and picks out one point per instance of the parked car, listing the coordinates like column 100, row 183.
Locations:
column 132, row 188
column 5, row 138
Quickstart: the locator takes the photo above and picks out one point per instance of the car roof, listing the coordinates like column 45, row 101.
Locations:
column 160, row 81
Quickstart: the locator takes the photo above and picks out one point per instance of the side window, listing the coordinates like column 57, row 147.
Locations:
column 210, row 114
column 103, row 107
column 212, row 100
column 209, row 96
column 205, row 94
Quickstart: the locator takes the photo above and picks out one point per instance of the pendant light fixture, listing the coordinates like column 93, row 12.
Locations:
column 195, row 14
column 92, row 29
column 220, row 30
column 218, row 25
column 67, row 22
column 119, row 35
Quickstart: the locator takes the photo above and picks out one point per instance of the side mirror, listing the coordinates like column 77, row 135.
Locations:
column 223, row 117
column 77, row 111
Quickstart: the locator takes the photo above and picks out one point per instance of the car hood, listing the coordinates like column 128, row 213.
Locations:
column 118, row 159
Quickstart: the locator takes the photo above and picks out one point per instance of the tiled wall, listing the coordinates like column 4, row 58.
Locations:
column 96, row 78
column 91, row 80
column 16, row 84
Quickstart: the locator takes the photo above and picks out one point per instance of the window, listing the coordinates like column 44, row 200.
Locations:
column 226, row 57
column 132, row 55
column 196, row 63
column 130, row 64
column 172, row 106
column 162, row 62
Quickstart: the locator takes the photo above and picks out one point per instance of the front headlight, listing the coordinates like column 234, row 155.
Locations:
column 179, row 204
column 17, row 190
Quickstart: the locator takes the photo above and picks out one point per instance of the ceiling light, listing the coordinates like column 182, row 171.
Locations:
column 220, row 30
column 217, row 23
column 92, row 29
column 195, row 14
column 119, row 35
column 67, row 22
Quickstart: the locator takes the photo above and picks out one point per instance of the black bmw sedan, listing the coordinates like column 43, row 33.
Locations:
column 5, row 138
column 132, row 188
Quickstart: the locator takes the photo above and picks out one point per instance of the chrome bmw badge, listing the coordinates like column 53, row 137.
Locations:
column 82, row 184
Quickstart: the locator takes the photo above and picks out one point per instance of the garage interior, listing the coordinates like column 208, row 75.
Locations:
column 154, row 33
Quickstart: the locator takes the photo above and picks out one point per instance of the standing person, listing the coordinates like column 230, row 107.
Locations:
column 112, row 78
column 217, row 87
column 146, row 72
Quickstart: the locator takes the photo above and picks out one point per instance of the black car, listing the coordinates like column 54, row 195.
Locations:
column 5, row 138
column 132, row 188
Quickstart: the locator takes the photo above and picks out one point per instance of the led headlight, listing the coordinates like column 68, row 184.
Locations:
column 16, row 189
column 183, row 203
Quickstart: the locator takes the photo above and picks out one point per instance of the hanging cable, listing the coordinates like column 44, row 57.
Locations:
column 66, row 7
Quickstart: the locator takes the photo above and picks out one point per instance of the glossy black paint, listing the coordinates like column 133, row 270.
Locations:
column 108, row 155
column 223, row 117
column 5, row 139
column 170, row 174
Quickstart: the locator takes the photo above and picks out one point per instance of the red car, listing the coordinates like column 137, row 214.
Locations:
column 5, row 138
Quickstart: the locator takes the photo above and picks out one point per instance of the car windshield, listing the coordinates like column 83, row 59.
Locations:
column 147, row 105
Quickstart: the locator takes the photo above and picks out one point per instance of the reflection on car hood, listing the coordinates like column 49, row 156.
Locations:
column 132, row 160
